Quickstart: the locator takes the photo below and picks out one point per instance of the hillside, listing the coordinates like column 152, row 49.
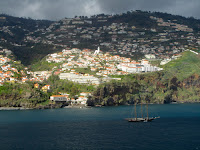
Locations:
column 131, row 34
column 179, row 82
column 14, row 30
column 184, row 67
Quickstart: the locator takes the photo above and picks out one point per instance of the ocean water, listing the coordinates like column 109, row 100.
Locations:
column 101, row 128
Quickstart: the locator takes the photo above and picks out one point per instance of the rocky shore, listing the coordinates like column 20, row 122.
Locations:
column 14, row 108
column 49, row 106
column 54, row 106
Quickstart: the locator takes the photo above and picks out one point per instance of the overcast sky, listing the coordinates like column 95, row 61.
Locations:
column 59, row 9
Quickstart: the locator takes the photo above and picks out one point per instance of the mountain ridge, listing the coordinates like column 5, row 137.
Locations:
column 132, row 34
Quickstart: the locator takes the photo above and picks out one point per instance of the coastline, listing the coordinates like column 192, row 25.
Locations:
column 44, row 107
column 14, row 108
column 83, row 106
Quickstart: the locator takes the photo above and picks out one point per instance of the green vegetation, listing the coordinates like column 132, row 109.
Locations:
column 44, row 65
column 33, row 52
column 142, row 17
column 184, row 67
column 155, row 63
column 20, row 27
column 85, row 71
column 66, row 86
column 180, row 82
column 21, row 95
column 25, row 95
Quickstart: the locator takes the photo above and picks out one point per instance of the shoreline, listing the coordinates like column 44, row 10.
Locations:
column 15, row 108
column 82, row 106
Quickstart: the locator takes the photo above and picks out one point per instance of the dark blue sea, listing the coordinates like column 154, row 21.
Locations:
column 101, row 128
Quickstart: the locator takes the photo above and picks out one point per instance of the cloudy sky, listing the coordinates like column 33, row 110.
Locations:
column 59, row 9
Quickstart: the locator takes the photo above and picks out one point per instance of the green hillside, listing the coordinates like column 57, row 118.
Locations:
column 178, row 82
column 184, row 67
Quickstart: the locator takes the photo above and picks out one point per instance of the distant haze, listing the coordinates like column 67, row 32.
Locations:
column 58, row 9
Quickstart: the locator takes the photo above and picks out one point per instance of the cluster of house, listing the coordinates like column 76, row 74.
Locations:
column 37, row 76
column 4, row 60
column 101, row 64
column 45, row 88
column 123, row 38
column 172, row 24
column 6, row 69
column 6, row 29
column 40, row 75
column 8, row 73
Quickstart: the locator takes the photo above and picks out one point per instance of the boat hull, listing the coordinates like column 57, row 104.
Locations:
column 135, row 120
column 141, row 119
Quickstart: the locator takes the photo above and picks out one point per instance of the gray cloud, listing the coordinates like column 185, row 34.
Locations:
column 58, row 9
column 180, row 7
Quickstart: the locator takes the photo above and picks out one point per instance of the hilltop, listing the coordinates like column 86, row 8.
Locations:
column 131, row 34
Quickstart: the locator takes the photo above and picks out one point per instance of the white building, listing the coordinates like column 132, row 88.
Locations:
column 165, row 61
column 97, row 51
column 82, row 100
column 150, row 56
column 83, row 79
column 59, row 98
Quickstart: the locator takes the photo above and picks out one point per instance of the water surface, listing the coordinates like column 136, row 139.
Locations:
column 101, row 128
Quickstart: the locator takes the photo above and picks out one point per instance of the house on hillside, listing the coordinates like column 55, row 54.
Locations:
column 36, row 85
column 46, row 88
column 82, row 100
column 59, row 98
